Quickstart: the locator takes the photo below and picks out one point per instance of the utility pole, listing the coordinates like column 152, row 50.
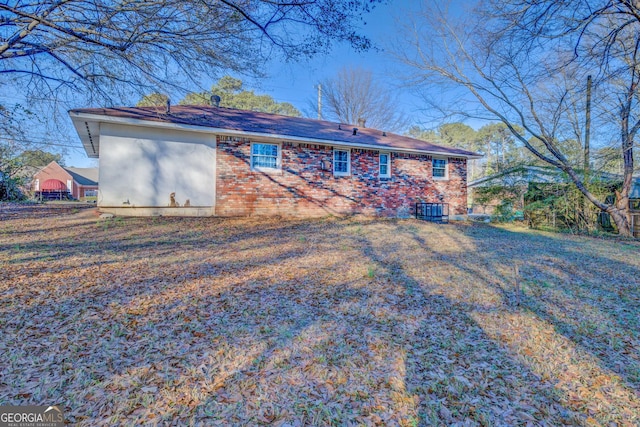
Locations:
column 319, row 101
column 587, row 135
column 587, row 130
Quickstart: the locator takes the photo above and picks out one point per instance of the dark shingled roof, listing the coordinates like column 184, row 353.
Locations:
column 84, row 176
column 273, row 124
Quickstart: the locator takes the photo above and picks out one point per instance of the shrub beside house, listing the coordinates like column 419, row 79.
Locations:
column 548, row 198
column 202, row 161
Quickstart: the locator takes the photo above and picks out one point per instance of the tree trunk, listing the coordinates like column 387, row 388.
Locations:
column 619, row 210
column 621, row 220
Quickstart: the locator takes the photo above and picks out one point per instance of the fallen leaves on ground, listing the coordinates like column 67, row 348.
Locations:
column 254, row 321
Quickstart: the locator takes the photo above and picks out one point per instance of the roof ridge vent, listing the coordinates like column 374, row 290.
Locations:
column 355, row 131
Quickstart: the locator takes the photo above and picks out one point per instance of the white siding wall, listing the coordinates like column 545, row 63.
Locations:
column 144, row 166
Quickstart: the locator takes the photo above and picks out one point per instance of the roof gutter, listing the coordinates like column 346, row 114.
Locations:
column 239, row 133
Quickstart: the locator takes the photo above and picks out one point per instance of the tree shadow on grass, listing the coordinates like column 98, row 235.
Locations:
column 384, row 351
column 116, row 329
column 455, row 371
column 323, row 322
column 92, row 244
column 569, row 310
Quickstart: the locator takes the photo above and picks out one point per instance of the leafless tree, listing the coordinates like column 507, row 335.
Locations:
column 353, row 96
column 525, row 63
column 103, row 48
column 61, row 54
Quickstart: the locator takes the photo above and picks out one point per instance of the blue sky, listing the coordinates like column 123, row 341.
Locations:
column 296, row 82
column 293, row 82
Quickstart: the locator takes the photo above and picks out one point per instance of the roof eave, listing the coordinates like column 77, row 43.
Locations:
column 90, row 140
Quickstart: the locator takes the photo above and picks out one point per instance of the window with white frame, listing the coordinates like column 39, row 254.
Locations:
column 439, row 168
column 265, row 156
column 341, row 162
column 385, row 165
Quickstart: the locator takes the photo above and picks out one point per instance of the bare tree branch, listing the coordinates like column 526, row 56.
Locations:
column 514, row 59
column 84, row 41
column 353, row 96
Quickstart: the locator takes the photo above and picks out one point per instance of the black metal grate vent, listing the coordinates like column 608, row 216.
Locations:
column 435, row 212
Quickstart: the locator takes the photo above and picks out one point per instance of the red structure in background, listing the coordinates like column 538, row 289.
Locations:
column 53, row 189
column 54, row 182
column 53, row 185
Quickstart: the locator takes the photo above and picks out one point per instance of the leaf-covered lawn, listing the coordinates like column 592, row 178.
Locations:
column 329, row 321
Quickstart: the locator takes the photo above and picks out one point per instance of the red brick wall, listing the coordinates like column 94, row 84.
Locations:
column 302, row 188
column 53, row 171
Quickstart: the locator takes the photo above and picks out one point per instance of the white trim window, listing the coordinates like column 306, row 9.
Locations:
column 341, row 162
column 385, row 165
column 440, row 168
column 265, row 157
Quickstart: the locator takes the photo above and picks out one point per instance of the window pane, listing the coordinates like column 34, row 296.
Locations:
column 439, row 168
column 265, row 162
column 265, row 149
column 264, row 156
column 341, row 161
column 384, row 164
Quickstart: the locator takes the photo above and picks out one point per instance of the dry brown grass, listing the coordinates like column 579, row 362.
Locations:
column 316, row 322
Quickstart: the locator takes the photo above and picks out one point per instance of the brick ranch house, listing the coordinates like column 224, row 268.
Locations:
column 54, row 181
column 206, row 161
